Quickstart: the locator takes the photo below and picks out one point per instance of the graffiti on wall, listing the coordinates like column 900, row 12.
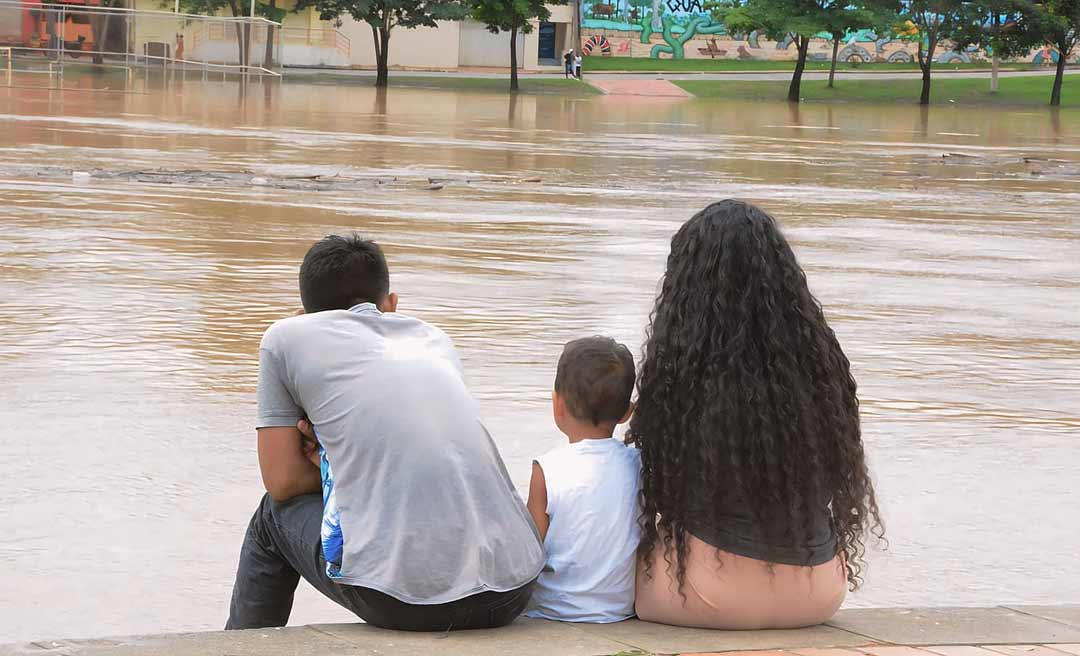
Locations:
column 683, row 29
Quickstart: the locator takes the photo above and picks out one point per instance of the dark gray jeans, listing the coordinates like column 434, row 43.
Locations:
column 284, row 542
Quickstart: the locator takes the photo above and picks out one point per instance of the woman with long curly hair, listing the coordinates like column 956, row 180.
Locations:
column 756, row 496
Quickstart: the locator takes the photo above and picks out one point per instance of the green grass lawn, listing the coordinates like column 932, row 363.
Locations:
column 1013, row 91
column 646, row 65
column 528, row 84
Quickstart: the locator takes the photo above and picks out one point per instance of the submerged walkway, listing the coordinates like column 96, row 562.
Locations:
column 653, row 88
column 1000, row 631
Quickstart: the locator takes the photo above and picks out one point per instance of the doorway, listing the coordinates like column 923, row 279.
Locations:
column 546, row 49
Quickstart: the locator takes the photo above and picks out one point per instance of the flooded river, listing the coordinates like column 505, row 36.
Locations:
column 131, row 306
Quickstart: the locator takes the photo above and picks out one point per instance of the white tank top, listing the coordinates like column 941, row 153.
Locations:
column 592, row 540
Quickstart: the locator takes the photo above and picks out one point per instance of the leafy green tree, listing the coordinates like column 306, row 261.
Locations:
column 383, row 16
column 800, row 18
column 937, row 21
column 841, row 21
column 1058, row 21
column 511, row 16
column 1005, row 28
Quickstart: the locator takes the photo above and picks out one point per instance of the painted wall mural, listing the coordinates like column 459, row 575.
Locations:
column 682, row 29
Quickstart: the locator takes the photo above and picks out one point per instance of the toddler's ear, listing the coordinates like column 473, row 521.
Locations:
column 558, row 406
column 389, row 304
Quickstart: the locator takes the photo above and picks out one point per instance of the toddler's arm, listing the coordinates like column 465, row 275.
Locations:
column 537, row 503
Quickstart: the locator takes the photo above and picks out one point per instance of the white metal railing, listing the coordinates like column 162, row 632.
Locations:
column 324, row 36
column 63, row 33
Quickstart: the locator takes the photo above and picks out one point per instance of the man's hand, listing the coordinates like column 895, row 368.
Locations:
column 309, row 444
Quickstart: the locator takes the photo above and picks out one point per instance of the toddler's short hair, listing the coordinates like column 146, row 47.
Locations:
column 595, row 379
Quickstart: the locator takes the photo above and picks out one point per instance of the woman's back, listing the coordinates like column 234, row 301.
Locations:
column 747, row 417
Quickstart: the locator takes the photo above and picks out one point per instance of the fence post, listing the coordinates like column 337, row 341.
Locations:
column 63, row 16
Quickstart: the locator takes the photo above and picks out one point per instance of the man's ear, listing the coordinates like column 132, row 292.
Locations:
column 389, row 303
column 629, row 413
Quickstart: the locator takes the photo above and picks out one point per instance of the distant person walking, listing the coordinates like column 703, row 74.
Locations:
column 577, row 66
column 568, row 61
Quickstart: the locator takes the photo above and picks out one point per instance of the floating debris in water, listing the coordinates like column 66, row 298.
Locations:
column 248, row 178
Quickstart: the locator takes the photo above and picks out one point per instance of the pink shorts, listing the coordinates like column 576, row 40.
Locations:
column 725, row 591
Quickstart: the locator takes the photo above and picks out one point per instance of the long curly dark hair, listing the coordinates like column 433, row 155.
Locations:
column 745, row 397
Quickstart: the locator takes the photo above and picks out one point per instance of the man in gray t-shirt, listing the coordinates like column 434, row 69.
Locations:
column 418, row 525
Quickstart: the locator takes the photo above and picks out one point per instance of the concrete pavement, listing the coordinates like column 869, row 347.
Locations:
column 998, row 631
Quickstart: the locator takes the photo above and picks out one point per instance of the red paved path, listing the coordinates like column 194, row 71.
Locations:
column 638, row 87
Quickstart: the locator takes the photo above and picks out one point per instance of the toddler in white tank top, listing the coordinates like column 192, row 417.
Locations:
column 584, row 496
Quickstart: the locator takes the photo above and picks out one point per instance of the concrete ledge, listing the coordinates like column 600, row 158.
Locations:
column 955, row 626
column 1017, row 631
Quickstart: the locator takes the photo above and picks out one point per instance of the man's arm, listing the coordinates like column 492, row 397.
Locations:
column 537, row 503
column 287, row 471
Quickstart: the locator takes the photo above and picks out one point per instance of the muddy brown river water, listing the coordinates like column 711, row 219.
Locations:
column 132, row 301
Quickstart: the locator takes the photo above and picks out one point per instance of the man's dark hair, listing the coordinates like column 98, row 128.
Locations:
column 340, row 272
column 595, row 379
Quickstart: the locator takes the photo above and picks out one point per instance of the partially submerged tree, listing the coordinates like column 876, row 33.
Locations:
column 383, row 16
column 800, row 19
column 99, row 27
column 1004, row 28
column 271, row 12
column 512, row 16
column 839, row 23
column 1059, row 23
column 212, row 8
column 937, row 21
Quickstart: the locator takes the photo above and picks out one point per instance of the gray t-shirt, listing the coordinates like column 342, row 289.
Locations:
column 417, row 502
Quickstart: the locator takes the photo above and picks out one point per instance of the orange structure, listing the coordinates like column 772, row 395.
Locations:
column 45, row 26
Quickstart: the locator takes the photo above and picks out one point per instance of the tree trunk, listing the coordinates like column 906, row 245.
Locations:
column 924, row 97
column 241, row 41
column 268, row 58
column 576, row 31
column 382, row 55
column 100, row 28
column 995, row 61
column 832, row 66
column 793, row 94
column 51, row 40
column 926, row 63
column 1055, row 94
column 513, row 59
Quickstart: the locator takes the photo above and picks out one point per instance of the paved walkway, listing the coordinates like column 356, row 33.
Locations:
column 732, row 75
column 652, row 88
column 1000, row 631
